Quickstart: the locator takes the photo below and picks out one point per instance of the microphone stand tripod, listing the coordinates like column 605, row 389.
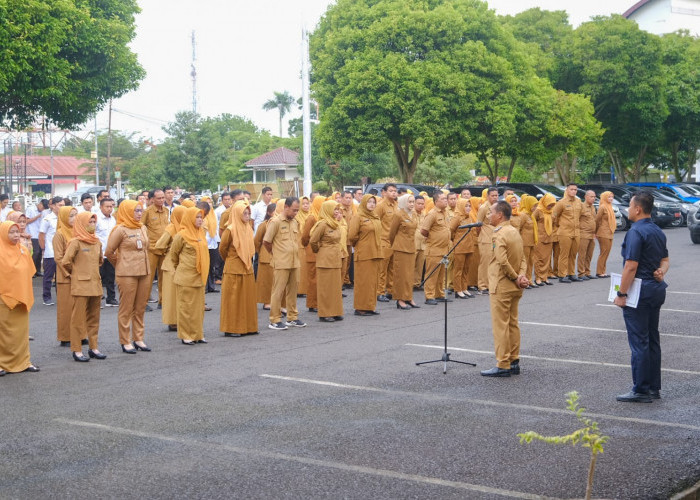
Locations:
column 445, row 355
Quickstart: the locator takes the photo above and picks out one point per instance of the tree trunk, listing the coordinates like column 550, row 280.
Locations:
column 591, row 472
column 493, row 171
column 674, row 161
column 407, row 167
column 511, row 167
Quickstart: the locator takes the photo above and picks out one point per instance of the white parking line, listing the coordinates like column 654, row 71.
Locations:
column 484, row 402
column 383, row 473
column 684, row 293
column 556, row 325
column 663, row 309
column 558, row 360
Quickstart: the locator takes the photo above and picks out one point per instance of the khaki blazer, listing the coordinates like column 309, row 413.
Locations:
column 508, row 259
column 419, row 239
column 325, row 242
column 59, row 249
column 306, row 236
column 124, row 254
column 264, row 257
column 184, row 258
column 232, row 261
column 402, row 232
column 467, row 245
column 283, row 234
column 567, row 213
column 484, row 216
column 163, row 248
column 155, row 221
column 361, row 236
column 527, row 230
column 542, row 236
column 438, row 241
column 83, row 260
column 385, row 211
column 602, row 226
column 587, row 221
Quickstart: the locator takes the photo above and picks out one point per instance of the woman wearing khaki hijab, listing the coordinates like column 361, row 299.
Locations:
column 311, row 289
column 189, row 254
column 324, row 241
column 528, row 232
column 239, row 314
column 64, row 299
column 605, row 224
column 127, row 251
column 365, row 234
column 304, row 212
column 542, row 217
column 82, row 260
column 464, row 252
column 263, row 281
column 402, row 236
column 163, row 245
column 16, row 299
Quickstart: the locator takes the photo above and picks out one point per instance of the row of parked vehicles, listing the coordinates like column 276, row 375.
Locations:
column 675, row 204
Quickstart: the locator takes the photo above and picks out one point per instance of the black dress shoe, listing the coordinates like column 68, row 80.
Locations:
column 227, row 334
column 143, row 348
column 32, row 369
column 634, row 397
column 172, row 328
column 253, row 333
column 654, row 394
column 431, row 302
column 515, row 367
column 548, row 283
column 383, row 298
column 128, row 351
column 3, row 373
column 414, row 306
column 63, row 343
column 148, row 308
column 584, row 278
column 389, row 296
column 96, row 355
column 338, row 318
column 327, row 319
column 462, row 296
column 496, row 372
column 539, row 284
column 403, row 308
column 591, row 277
column 373, row 313
column 574, row 278
column 362, row 313
column 443, row 299
column 84, row 342
column 564, row 280
column 187, row 342
column 485, row 291
column 473, row 289
column 301, row 295
column 80, row 357
column 313, row 309
column 202, row 341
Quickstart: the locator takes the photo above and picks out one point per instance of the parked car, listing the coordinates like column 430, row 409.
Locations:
column 676, row 190
column 622, row 222
column 478, row 190
column 416, row 188
column 536, row 190
column 694, row 224
column 663, row 214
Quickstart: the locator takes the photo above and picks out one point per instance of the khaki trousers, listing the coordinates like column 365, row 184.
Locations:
column 529, row 261
column 133, row 296
column 450, row 271
column 156, row 263
column 311, row 290
column 462, row 261
column 506, row 331
column 64, row 309
column 473, row 277
column 386, row 272
column 605, row 245
column 568, row 248
column 485, row 253
column 554, row 259
column 418, row 268
column 84, row 321
column 284, row 285
column 435, row 285
column 346, row 268
column 543, row 258
column 585, row 254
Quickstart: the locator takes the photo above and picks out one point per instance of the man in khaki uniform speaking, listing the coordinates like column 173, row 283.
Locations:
column 282, row 241
column 506, row 283
column 587, row 242
column 567, row 213
column 155, row 219
column 437, row 232
column 485, row 243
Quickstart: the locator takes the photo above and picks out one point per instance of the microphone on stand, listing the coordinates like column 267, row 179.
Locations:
column 469, row 226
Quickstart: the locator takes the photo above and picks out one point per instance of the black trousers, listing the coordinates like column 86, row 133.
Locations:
column 212, row 263
column 36, row 254
column 107, row 275
column 49, row 271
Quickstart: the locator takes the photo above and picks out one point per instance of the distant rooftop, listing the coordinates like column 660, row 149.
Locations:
column 280, row 157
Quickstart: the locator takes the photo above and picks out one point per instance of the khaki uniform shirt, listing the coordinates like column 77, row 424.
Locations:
column 542, row 236
column 484, row 216
column 385, row 211
column 184, row 258
column 283, row 234
column 469, row 242
column 163, row 248
column 361, row 236
column 155, row 221
column 438, row 242
column 567, row 213
column 527, row 230
column 264, row 256
column 402, row 233
column 232, row 262
column 587, row 221
column 508, row 259
column 59, row 249
column 325, row 242
column 83, row 260
column 309, row 254
column 602, row 225
column 419, row 238
column 127, row 251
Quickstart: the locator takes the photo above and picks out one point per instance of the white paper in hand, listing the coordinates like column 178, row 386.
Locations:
column 632, row 293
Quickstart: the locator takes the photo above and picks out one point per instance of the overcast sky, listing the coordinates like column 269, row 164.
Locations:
column 245, row 50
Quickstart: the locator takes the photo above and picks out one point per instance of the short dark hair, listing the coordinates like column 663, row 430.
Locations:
column 4, row 197
column 347, row 191
column 645, row 200
column 56, row 199
column 265, row 189
column 151, row 194
column 356, row 190
column 203, row 205
column 289, row 201
column 270, row 210
column 85, row 196
column 402, row 190
column 99, row 193
column 418, row 197
column 372, row 191
column 104, row 200
column 451, row 193
column 67, row 202
column 235, row 193
column 503, row 207
column 44, row 203
column 571, row 184
column 168, row 188
column 246, row 192
column 491, row 190
column 436, row 195
column 225, row 194
column 119, row 202
column 388, row 185
column 184, row 196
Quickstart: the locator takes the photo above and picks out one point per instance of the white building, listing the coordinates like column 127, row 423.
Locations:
column 666, row 16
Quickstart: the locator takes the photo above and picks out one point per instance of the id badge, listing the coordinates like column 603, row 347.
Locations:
column 139, row 244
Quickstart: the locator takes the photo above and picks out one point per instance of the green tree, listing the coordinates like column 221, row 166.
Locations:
column 282, row 102
column 439, row 170
column 414, row 75
column 64, row 59
column 620, row 67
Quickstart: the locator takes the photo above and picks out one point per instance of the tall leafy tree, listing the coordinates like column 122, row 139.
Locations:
column 64, row 59
column 415, row 75
column 282, row 102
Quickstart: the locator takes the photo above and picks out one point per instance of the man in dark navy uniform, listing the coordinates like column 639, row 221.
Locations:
column 645, row 256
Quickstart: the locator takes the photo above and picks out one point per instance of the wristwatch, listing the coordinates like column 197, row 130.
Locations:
column 620, row 294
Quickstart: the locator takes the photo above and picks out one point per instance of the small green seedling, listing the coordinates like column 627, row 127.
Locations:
column 589, row 437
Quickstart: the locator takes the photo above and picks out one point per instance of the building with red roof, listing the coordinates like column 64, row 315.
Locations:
column 278, row 164
column 67, row 172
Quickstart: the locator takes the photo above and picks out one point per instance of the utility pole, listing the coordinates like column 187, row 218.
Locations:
column 97, row 162
column 306, row 114
column 193, row 74
column 109, row 144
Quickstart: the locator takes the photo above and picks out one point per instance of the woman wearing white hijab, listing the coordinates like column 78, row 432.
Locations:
column 402, row 234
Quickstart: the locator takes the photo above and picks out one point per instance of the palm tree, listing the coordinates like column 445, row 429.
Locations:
column 282, row 102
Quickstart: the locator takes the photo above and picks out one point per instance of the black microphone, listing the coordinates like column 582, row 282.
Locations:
column 469, row 226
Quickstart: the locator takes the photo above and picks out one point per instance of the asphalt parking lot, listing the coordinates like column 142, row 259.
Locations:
column 342, row 410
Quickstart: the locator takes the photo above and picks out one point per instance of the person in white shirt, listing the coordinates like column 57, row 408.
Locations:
column 87, row 204
column 218, row 266
column 35, row 214
column 47, row 230
column 357, row 196
column 169, row 203
column 105, row 224
column 5, row 207
column 259, row 210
